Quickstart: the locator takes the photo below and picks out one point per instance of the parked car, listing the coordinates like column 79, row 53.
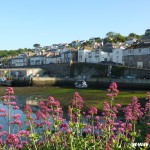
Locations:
column 81, row 84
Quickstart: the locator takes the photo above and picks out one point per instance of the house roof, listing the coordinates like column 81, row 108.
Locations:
column 37, row 56
column 86, row 48
column 139, row 45
column 108, row 47
column 145, row 37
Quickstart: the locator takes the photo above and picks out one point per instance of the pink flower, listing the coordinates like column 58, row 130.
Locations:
column 12, row 97
column 64, row 126
column 88, row 116
column 147, row 140
column 15, row 107
column 1, row 127
column 3, row 115
column 9, row 91
column 23, row 133
column 25, row 143
column 27, row 109
column 114, row 129
column 19, row 146
column 13, row 103
column 129, row 127
column 40, row 115
column 17, row 122
column 2, row 110
column 50, row 98
column 47, row 123
column 93, row 110
column 133, row 110
column 5, row 97
column 97, row 118
column 121, row 130
column 89, row 130
column 112, row 90
column 1, row 141
column 12, row 139
column 3, row 133
column 78, row 97
column 148, row 124
column 16, row 116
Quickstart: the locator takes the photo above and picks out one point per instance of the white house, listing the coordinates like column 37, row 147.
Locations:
column 117, row 55
column 37, row 60
column 56, row 59
column 98, row 55
column 20, row 60
column 130, row 42
column 38, row 50
column 83, row 54
column 89, row 57
column 76, row 43
column 62, row 54
column 48, row 59
column 137, row 56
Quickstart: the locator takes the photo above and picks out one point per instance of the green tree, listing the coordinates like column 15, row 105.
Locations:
column 36, row 45
column 132, row 36
column 98, row 39
column 147, row 32
column 119, row 38
column 112, row 37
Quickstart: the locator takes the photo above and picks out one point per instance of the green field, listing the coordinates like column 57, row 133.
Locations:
column 92, row 97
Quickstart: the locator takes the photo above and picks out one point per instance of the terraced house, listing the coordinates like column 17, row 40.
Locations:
column 138, row 55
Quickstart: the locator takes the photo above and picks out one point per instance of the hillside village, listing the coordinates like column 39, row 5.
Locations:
column 134, row 53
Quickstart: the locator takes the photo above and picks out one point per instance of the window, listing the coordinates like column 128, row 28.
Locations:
column 96, row 52
column 139, row 58
column 90, row 54
column 80, row 55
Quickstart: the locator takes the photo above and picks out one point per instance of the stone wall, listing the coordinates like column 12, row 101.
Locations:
column 57, row 69
column 93, row 82
column 103, row 70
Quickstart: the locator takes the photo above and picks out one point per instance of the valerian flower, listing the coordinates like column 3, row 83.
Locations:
column 12, row 139
column 133, row 110
column 27, row 109
column 93, row 110
column 23, row 133
column 9, row 91
column 112, row 91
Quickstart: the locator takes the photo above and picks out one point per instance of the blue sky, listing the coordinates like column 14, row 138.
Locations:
column 26, row 22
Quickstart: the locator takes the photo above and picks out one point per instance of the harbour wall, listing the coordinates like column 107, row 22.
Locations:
column 142, row 84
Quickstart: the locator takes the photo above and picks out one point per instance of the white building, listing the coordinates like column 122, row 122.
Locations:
column 130, row 42
column 138, row 56
column 98, row 55
column 117, row 55
column 83, row 54
column 37, row 60
column 20, row 60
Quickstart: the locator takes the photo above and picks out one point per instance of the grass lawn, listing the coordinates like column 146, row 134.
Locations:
column 92, row 97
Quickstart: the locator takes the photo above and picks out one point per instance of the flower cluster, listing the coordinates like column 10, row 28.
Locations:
column 47, row 129
column 112, row 90
column 133, row 111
